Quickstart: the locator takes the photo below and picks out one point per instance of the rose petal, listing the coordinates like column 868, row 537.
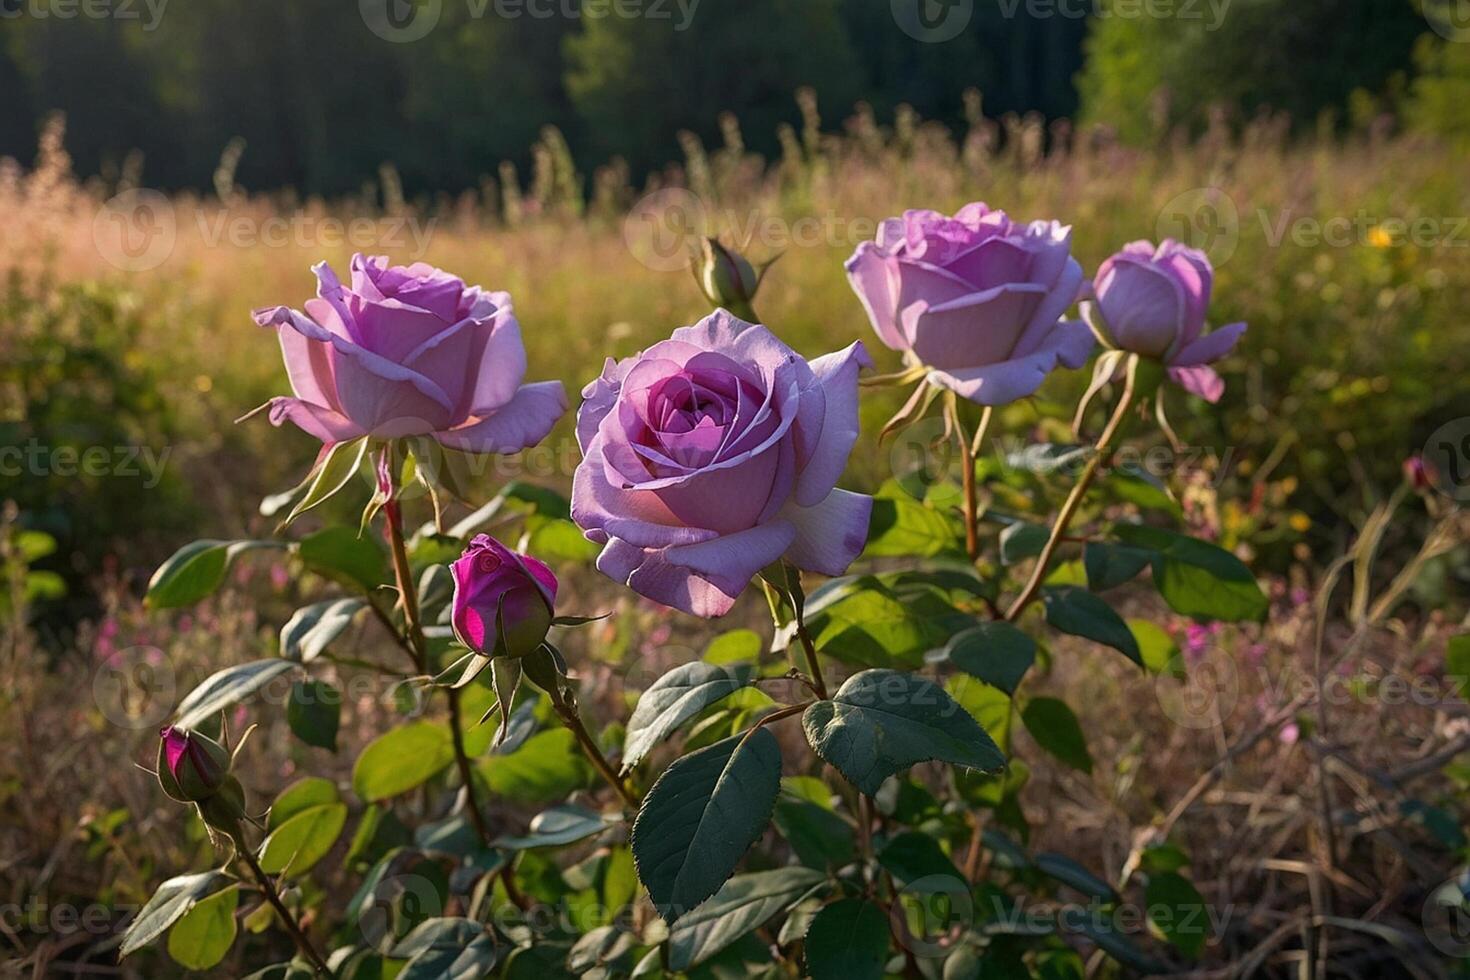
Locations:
column 702, row 579
column 315, row 420
column 1070, row 344
column 872, row 276
column 1211, row 347
column 523, row 421
column 837, row 374
column 831, row 534
column 1199, row 379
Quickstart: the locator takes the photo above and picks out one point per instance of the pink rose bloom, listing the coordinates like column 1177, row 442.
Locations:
column 499, row 592
column 410, row 351
column 713, row 454
column 977, row 298
column 1152, row 301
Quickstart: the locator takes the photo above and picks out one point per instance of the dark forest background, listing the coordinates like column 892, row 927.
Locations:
column 322, row 102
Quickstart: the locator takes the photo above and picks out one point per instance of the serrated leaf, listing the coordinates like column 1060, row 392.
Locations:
column 1199, row 579
column 169, row 903
column 226, row 687
column 848, row 940
column 401, row 759
column 200, row 940
column 196, row 570
column 313, row 712
column 1076, row 611
column 881, row 722
column 997, row 653
column 820, row 838
column 1056, row 729
column 299, row 843
column 700, row 818
column 912, row 855
column 311, row 629
column 674, row 699
column 744, row 903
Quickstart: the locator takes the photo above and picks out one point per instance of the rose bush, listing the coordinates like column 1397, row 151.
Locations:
column 713, row 454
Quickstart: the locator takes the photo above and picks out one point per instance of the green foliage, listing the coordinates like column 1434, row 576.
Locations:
column 847, row 940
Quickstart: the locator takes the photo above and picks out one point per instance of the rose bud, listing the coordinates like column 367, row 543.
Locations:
column 500, row 594
column 1152, row 301
column 191, row 767
column 1416, row 473
column 728, row 279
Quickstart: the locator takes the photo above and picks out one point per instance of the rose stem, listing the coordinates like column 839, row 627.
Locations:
column 803, row 633
column 1074, row 499
column 268, row 888
column 419, row 651
column 969, row 450
column 567, row 711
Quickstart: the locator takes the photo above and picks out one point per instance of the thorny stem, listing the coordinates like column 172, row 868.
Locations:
column 418, row 650
column 268, row 888
column 1074, row 500
column 567, row 711
column 969, row 450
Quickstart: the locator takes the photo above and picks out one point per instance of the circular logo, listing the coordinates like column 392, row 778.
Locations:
column 932, row 21
column 136, row 230
column 922, row 457
column 1447, row 459
column 134, row 688
column 400, row 21
column 1446, row 916
column 397, row 900
column 1450, row 19
column 664, row 228
column 932, row 915
column 1205, row 696
column 1205, row 218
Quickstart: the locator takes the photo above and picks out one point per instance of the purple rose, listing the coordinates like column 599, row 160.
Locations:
column 499, row 592
column 977, row 299
column 191, row 767
column 407, row 351
column 713, row 454
column 1152, row 301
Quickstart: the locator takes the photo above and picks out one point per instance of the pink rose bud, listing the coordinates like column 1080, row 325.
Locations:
column 1416, row 473
column 1152, row 301
column 191, row 767
column 498, row 593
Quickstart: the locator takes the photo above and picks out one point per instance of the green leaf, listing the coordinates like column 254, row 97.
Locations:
column 736, row 646
column 447, row 949
column 862, row 621
column 314, row 712
column 397, row 761
column 1457, row 663
column 989, row 706
column 557, row 539
column 301, row 795
column 744, row 903
column 338, row 553
column 1110, row 565
column 700, row 818
column 820, row 838
column 1178, row 911
column 1199, row 579
column 226, row 687
column 205, row 934
column 1111, row 940
column 848, row 940
column 557, row 826
column 169, row 903
column 995, row 652
column 1074, row 875
column 547, row 767
column 332, row 474
column 195, row 571
column 902, row 527
column 912, row 855
column 881, row 722
column 1055, row 729
column 1159, row 651
column 303, row 840
column 1022, row 540
column 311, row 629
column 1076, row 611
column 674, row 699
